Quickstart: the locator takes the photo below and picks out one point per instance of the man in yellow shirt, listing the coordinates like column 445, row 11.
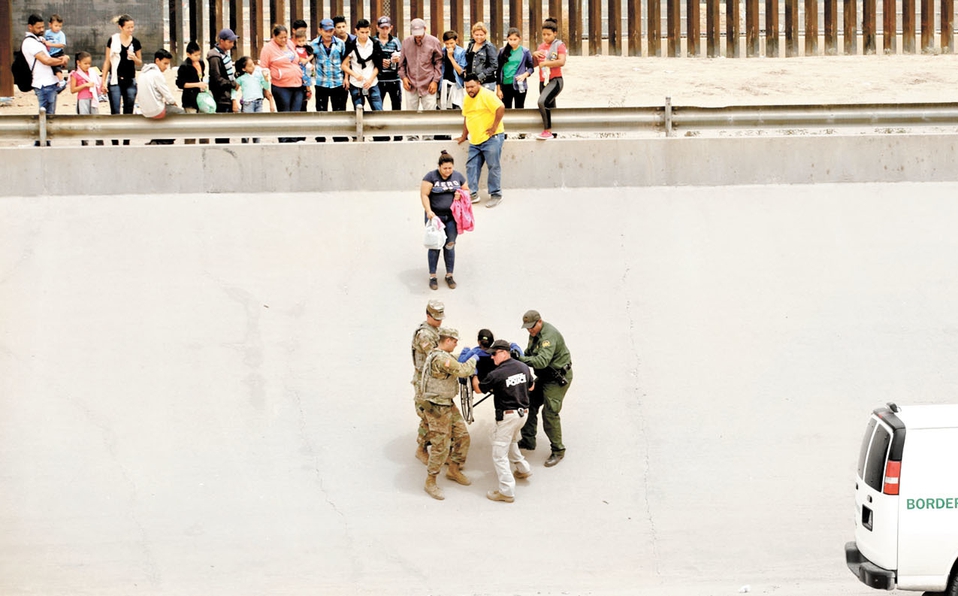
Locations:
column 482, row 115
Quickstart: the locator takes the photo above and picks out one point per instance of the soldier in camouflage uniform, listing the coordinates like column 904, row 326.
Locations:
column 549, row 356
column 439, row 385
column 425, row 340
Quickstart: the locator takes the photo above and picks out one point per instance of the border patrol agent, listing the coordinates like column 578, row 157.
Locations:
column 438, row 386
column 425, row 340
column 548, row 355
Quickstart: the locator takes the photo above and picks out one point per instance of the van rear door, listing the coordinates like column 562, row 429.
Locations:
column 876, row 489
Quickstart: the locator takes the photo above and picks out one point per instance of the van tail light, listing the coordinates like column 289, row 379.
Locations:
column 892, row 474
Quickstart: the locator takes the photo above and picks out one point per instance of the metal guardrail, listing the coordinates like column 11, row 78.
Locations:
column 364, row 126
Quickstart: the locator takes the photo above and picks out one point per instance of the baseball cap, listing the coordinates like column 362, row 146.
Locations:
column 326, row 25
column 448, row 332
column 436, row 310
column 228, row 35
column 383, row 21
column 530, row 319
column 417, row 26
column 499, row 344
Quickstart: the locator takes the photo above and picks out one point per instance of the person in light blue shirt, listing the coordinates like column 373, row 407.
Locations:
column 253, row 88
column 56, row 40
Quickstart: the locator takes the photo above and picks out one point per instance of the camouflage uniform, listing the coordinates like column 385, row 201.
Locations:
column 438, row 387
column 424, row 341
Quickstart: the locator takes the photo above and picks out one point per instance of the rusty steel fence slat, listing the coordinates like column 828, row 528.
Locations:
column 616, row 27
column 668, row 120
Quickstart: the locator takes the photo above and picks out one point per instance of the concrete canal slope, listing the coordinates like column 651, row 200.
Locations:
column 209, row 393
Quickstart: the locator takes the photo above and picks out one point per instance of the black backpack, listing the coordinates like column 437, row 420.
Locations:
column 22, row 71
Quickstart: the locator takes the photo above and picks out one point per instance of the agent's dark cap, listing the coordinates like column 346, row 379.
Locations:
column 228, row 35
column 530, row 319
column 499, row 344
column 383, row 21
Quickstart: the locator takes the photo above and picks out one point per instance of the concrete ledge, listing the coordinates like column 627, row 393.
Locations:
column 572, row 163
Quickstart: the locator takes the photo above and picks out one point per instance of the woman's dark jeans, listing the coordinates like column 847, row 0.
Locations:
column 449, row 249
column 289, row 99
column 125, row 93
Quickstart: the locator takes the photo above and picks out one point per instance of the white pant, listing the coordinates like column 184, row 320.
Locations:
column 411, row 100
column 452, row 94
column 505, row 450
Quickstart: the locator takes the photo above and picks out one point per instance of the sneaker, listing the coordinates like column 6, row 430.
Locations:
column 493, row 201
column 61, row 86
column 523, row 444
column 495, row 495
column 544, row 136
column 475, row 198
column 450, row 282
column 554, row 459
column 433, row 283
column 520, row 475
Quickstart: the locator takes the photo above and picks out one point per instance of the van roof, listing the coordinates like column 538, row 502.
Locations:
column 929, row 416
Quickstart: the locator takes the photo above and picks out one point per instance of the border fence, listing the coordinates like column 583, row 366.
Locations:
column 731, row 28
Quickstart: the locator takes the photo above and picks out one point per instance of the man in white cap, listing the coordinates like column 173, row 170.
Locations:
column 420, row 68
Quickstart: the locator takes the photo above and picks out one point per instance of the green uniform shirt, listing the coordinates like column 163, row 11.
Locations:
column 546, row 350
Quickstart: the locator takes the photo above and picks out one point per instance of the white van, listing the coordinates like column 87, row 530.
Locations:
column 906, row 496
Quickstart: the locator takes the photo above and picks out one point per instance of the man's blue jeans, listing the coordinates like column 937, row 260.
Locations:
column 374, row 97
column 47, row 98
column 485, row 153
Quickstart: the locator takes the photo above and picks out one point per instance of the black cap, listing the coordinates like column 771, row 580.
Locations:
column 499, row 344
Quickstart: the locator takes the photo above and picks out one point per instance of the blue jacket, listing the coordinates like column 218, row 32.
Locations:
column 468, row 352
column 459, row 55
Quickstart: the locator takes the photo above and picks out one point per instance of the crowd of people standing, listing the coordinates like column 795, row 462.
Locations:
column 293, row 73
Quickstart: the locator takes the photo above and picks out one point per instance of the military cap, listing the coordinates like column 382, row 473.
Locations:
column 499, row 344
column 436, row 309
column 448, row 332
column 530, row 319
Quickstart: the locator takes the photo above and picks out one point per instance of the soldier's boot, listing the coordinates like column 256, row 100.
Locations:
column 433, row 489
column 422, row 454
column 454, row 473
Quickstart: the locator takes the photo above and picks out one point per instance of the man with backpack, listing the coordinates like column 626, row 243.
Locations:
column 36, row 58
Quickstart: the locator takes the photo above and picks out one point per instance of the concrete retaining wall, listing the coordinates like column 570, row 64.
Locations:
column 603, row 163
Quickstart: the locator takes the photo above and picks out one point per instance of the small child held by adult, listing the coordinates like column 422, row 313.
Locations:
column 85, row 83
column 56, row 42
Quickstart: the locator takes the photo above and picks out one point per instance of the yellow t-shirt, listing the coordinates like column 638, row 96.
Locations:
column 480, row 113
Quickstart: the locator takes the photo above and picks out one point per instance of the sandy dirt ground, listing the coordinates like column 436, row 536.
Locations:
column 610, row 81
column 209, row 394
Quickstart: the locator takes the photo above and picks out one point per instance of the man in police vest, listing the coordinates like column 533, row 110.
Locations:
column 425, row 340
column 509, row 382
column 548, row 355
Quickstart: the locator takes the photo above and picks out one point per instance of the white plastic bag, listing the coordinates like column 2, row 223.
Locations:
column 435, row 235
